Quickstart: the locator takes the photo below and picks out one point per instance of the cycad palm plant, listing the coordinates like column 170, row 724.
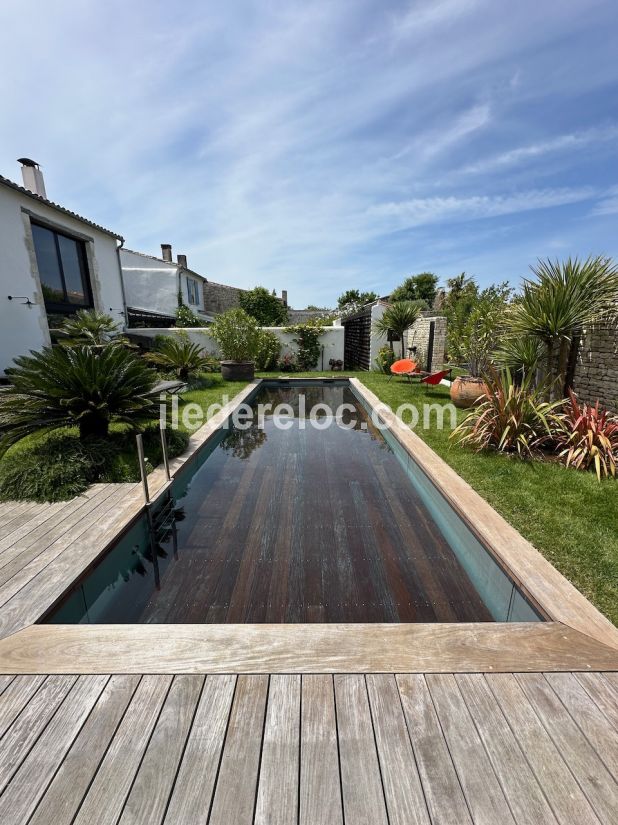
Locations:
column 178, row 355
column 91, row 328
column 565, row 298
column 76, row 386
column 398, row 318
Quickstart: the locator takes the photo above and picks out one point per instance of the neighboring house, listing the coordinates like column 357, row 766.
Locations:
column 52, row 263
column 153, row 287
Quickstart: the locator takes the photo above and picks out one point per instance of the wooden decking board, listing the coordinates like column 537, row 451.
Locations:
column 552, row 772
column 601, row 694
column 192, row 793
column 41, row 591
column 443, row 792
column 74, row 775
column 332, row 648
column 147, row 801
column 480, row 785
column 278, row 788
column 107, row 794
column 403, row 791
column 523, row 792
column 397, row 749
column 31, row 722
column 235, row 793
column 590, row 772
column 38, row 768
column 15, row 697
column 320, row 786
column 20, row 552
column 590, row 719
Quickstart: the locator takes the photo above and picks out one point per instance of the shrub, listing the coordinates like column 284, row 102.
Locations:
column 61, row 465
column 186, row 318
column 82, row 387
column 587, row 436
column 265, row 307
column 307, row 340
column 386, row 358
column 269, row 347
column 288, row 363
column 178, row 355
column 237, row 334
column 512, row 418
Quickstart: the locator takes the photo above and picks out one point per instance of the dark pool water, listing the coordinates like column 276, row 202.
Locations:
column 302, row 525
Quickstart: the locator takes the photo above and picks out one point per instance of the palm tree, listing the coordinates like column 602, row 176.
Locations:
column 565, row 298
column 398, row 318
column 178, row 355
column 75, row 387
column 89, row 327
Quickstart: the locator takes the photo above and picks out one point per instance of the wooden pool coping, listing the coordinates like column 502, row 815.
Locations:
column 578, row 637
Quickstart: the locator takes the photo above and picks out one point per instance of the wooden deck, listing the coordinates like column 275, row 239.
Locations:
column 321, row 724
column 389, row 749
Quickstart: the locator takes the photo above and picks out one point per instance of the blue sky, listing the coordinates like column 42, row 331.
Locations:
column 321, row 146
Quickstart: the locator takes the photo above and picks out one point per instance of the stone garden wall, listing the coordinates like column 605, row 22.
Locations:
column 418, row 336
column 596, row 371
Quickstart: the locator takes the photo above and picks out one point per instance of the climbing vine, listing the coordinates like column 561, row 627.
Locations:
column 306, row 337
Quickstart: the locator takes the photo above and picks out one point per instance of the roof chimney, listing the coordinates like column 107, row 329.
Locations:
column 33, row 177
column 182, row 261
column 284, row 297
column 166, row 252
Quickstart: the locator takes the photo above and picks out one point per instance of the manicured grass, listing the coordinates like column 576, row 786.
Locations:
column 568, row 515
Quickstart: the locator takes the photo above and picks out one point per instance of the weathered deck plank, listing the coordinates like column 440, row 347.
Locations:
column 326, row 648
column 277, row 798
column 398, row 749
column 361, row 783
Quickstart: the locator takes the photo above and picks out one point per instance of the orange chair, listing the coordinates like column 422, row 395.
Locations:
column 405, row 366
column 435, row 377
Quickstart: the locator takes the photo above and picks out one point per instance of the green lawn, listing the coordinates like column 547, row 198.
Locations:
column 568, row 515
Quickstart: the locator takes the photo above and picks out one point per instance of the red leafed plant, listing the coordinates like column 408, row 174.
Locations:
column 587, row 436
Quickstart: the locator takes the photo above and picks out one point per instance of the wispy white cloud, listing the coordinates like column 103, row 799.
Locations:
column 561, row 143
column 422, row 211
column 607, row 205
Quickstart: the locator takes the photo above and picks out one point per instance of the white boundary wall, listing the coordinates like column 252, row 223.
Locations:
column 331, row 339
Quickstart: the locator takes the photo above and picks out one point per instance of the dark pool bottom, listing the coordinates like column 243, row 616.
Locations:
column 296, row 525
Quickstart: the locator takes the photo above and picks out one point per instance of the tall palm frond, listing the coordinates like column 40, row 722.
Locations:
column 398, row 318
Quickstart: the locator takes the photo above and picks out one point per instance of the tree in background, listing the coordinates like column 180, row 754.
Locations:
column 264, row 306
column 354, row 296
column 421, row 287
column 457, row 303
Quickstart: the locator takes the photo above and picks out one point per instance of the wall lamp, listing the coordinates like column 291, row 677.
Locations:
column 24, row 298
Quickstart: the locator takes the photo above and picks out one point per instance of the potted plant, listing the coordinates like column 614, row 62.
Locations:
column 238, row 337
column 479, row 338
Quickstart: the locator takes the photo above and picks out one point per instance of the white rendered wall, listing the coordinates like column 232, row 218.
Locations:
column 376, row 341
column 331, row 339
column 153, row 285
column 24, row 328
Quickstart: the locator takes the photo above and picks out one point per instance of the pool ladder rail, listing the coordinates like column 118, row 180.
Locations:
column 161, row 510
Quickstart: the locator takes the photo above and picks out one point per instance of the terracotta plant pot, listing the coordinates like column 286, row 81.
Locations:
column 466, row 391
column 238, row 370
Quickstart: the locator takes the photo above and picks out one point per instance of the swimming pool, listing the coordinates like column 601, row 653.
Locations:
column 289, row 522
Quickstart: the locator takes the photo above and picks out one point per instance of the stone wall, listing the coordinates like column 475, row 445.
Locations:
column 301, row 316
column 418, row 336
column 219, row 297
column 596, row 371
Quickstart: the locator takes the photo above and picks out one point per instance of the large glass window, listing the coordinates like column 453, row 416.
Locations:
column 63, row 270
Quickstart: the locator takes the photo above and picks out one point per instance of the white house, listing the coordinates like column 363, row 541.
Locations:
column 52, row 263
column 153, row 287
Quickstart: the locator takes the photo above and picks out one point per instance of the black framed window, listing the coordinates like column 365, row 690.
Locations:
column 63, row 269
